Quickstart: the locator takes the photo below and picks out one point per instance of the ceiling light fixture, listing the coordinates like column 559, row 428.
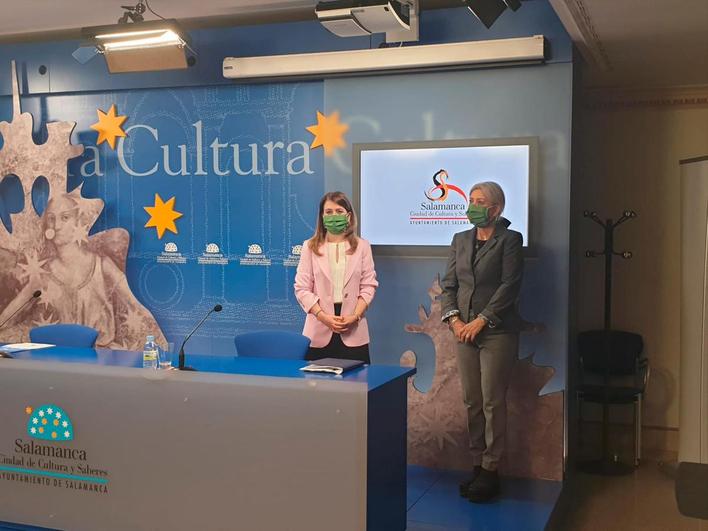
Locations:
column 136, row 45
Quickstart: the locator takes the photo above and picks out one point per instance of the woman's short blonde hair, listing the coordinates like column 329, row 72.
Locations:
column 493, row 193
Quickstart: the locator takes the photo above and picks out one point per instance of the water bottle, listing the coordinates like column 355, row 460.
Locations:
column 150, row 354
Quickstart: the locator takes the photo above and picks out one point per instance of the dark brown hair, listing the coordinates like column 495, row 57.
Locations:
column 321, row 233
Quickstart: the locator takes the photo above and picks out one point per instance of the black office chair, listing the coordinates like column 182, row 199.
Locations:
column 614, row 356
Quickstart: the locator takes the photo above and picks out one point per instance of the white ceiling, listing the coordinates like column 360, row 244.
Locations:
column 626, row 42
column 648, row 43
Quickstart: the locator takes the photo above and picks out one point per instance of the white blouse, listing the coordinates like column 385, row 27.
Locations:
column 336, row 252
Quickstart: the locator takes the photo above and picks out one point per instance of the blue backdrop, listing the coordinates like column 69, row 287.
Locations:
column 275, row 208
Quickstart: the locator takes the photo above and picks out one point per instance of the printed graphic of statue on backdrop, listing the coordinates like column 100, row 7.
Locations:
column 45, row 244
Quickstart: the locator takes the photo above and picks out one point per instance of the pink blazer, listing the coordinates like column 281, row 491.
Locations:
column 313, row 284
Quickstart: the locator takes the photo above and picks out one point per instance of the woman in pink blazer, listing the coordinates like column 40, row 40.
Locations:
column 335, row 283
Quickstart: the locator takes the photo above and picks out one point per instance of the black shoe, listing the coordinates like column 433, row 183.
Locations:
column 485, row 488
column 465, row 485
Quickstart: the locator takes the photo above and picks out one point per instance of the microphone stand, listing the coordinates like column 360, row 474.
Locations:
column 34, row 296
column 181, row 365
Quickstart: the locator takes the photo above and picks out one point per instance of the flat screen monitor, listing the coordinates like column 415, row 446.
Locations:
column 412, row 197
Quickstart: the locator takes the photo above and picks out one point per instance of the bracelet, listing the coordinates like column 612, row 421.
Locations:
column 449, row 315
column 318, row 312
column 486, row 320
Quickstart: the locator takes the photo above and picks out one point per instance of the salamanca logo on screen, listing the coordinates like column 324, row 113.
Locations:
column 446, row 204
column 441, row 190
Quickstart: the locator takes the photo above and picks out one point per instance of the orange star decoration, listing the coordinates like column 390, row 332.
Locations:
column 329, row 132
column 162, row 216
column 109, row 126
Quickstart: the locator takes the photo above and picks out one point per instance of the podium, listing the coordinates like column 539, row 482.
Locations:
column 244, row 443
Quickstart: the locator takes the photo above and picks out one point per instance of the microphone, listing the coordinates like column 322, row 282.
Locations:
column 181, row 366
column 36, row 295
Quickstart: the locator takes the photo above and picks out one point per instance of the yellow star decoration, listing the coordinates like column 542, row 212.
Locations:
column 109, row 126
column 329, row 132
column 162, row 216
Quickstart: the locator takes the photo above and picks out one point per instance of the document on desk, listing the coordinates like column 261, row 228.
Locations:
column 19, row 347
column 332, row 366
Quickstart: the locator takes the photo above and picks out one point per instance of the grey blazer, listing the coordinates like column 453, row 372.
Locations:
column 490, row 286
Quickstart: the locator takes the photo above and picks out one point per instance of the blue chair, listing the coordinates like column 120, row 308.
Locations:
column 65, row 335
column 272, row 344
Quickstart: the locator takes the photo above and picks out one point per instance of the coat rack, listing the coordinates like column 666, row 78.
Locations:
column 609, row 227
column 606, row 465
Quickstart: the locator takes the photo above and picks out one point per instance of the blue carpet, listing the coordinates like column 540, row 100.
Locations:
column 434, row 503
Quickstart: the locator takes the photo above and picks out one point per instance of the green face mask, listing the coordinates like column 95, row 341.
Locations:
column 478, row 215
column 335, row 223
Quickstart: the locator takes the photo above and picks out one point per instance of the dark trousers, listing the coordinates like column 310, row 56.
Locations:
column 337, row 349
column 485, row 370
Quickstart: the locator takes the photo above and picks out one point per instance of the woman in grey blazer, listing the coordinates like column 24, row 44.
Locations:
column 480, row 305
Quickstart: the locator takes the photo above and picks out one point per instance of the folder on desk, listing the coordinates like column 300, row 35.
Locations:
column 332, row 365
column 19, row 347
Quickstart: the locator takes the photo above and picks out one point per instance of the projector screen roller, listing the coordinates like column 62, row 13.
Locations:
column 415, row 194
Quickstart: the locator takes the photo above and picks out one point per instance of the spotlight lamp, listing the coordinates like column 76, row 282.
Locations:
column 136, row 45
column 488, row 11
